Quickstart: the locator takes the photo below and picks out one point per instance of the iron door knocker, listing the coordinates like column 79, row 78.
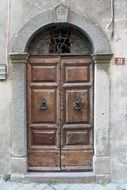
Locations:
column 77, row 105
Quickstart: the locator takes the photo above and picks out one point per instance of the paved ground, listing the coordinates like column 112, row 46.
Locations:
column 32, row 186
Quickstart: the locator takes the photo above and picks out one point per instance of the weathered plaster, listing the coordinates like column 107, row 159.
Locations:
column 118, row 105
column 5, row 94
column 5, row 129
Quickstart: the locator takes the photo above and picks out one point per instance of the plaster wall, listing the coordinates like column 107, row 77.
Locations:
column 15, row 13
column 5, row 94
column 118, row 109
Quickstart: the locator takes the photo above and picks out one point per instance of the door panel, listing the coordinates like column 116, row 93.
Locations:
column 75, row 114
column 44, row 160
column 59, row 91
column 43, row 137
column 48, row 115
column 76, row 160
column 43, row 114
column 76, row 135
column 80, row 137
column 77, row 74
column 44, row 73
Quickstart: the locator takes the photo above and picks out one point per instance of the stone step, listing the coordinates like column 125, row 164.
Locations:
column 55, row 177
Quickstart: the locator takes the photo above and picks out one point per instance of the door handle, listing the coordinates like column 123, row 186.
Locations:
column 77, row 105
column 43, row 105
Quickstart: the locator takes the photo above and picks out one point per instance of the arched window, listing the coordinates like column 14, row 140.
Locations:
column 60, row 39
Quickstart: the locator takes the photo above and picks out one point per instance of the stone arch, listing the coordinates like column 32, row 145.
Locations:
column 94, row 33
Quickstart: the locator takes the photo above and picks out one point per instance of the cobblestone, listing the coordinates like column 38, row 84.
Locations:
column 33, row 186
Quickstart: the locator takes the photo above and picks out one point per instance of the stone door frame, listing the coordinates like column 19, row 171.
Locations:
column 101, row 58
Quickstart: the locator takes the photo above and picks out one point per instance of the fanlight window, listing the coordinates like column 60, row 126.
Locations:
column 59, row 40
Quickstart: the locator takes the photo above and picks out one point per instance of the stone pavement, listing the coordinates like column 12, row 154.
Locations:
column 50, row 186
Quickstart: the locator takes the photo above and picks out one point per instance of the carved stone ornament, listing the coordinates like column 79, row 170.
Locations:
column 60, row 13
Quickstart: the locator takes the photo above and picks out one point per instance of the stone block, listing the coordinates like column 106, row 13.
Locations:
column 104, row 178
column 19, row 165
column 101, row 165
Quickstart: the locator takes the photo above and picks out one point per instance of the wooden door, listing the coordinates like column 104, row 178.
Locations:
column 77, row 117
column 59, row 96
column 43, row 113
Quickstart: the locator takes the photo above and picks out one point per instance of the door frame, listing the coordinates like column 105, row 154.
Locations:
column 101, row 57
column 101, row 113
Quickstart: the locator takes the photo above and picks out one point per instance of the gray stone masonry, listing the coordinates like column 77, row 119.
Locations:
column 53, row 186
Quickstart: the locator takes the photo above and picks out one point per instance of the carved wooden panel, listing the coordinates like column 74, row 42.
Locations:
column 77, row 74
column 44, row 160
column 44, row 73
column 47, row 115
column 73, row 115
column 78, row 137
column 76, row 160
column 43, row 137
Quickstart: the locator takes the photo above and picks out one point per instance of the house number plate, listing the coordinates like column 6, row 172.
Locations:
column 119, row 61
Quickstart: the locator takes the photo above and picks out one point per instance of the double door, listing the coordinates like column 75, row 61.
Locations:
column 60, row 113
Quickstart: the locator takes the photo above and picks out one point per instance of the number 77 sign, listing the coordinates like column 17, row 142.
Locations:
column 119, row 61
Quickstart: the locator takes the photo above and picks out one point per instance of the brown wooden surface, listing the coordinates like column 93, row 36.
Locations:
column 43, row 125
column 60, row 137
column 76, row 141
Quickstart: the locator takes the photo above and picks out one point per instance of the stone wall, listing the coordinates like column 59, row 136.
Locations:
column 14, row 14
